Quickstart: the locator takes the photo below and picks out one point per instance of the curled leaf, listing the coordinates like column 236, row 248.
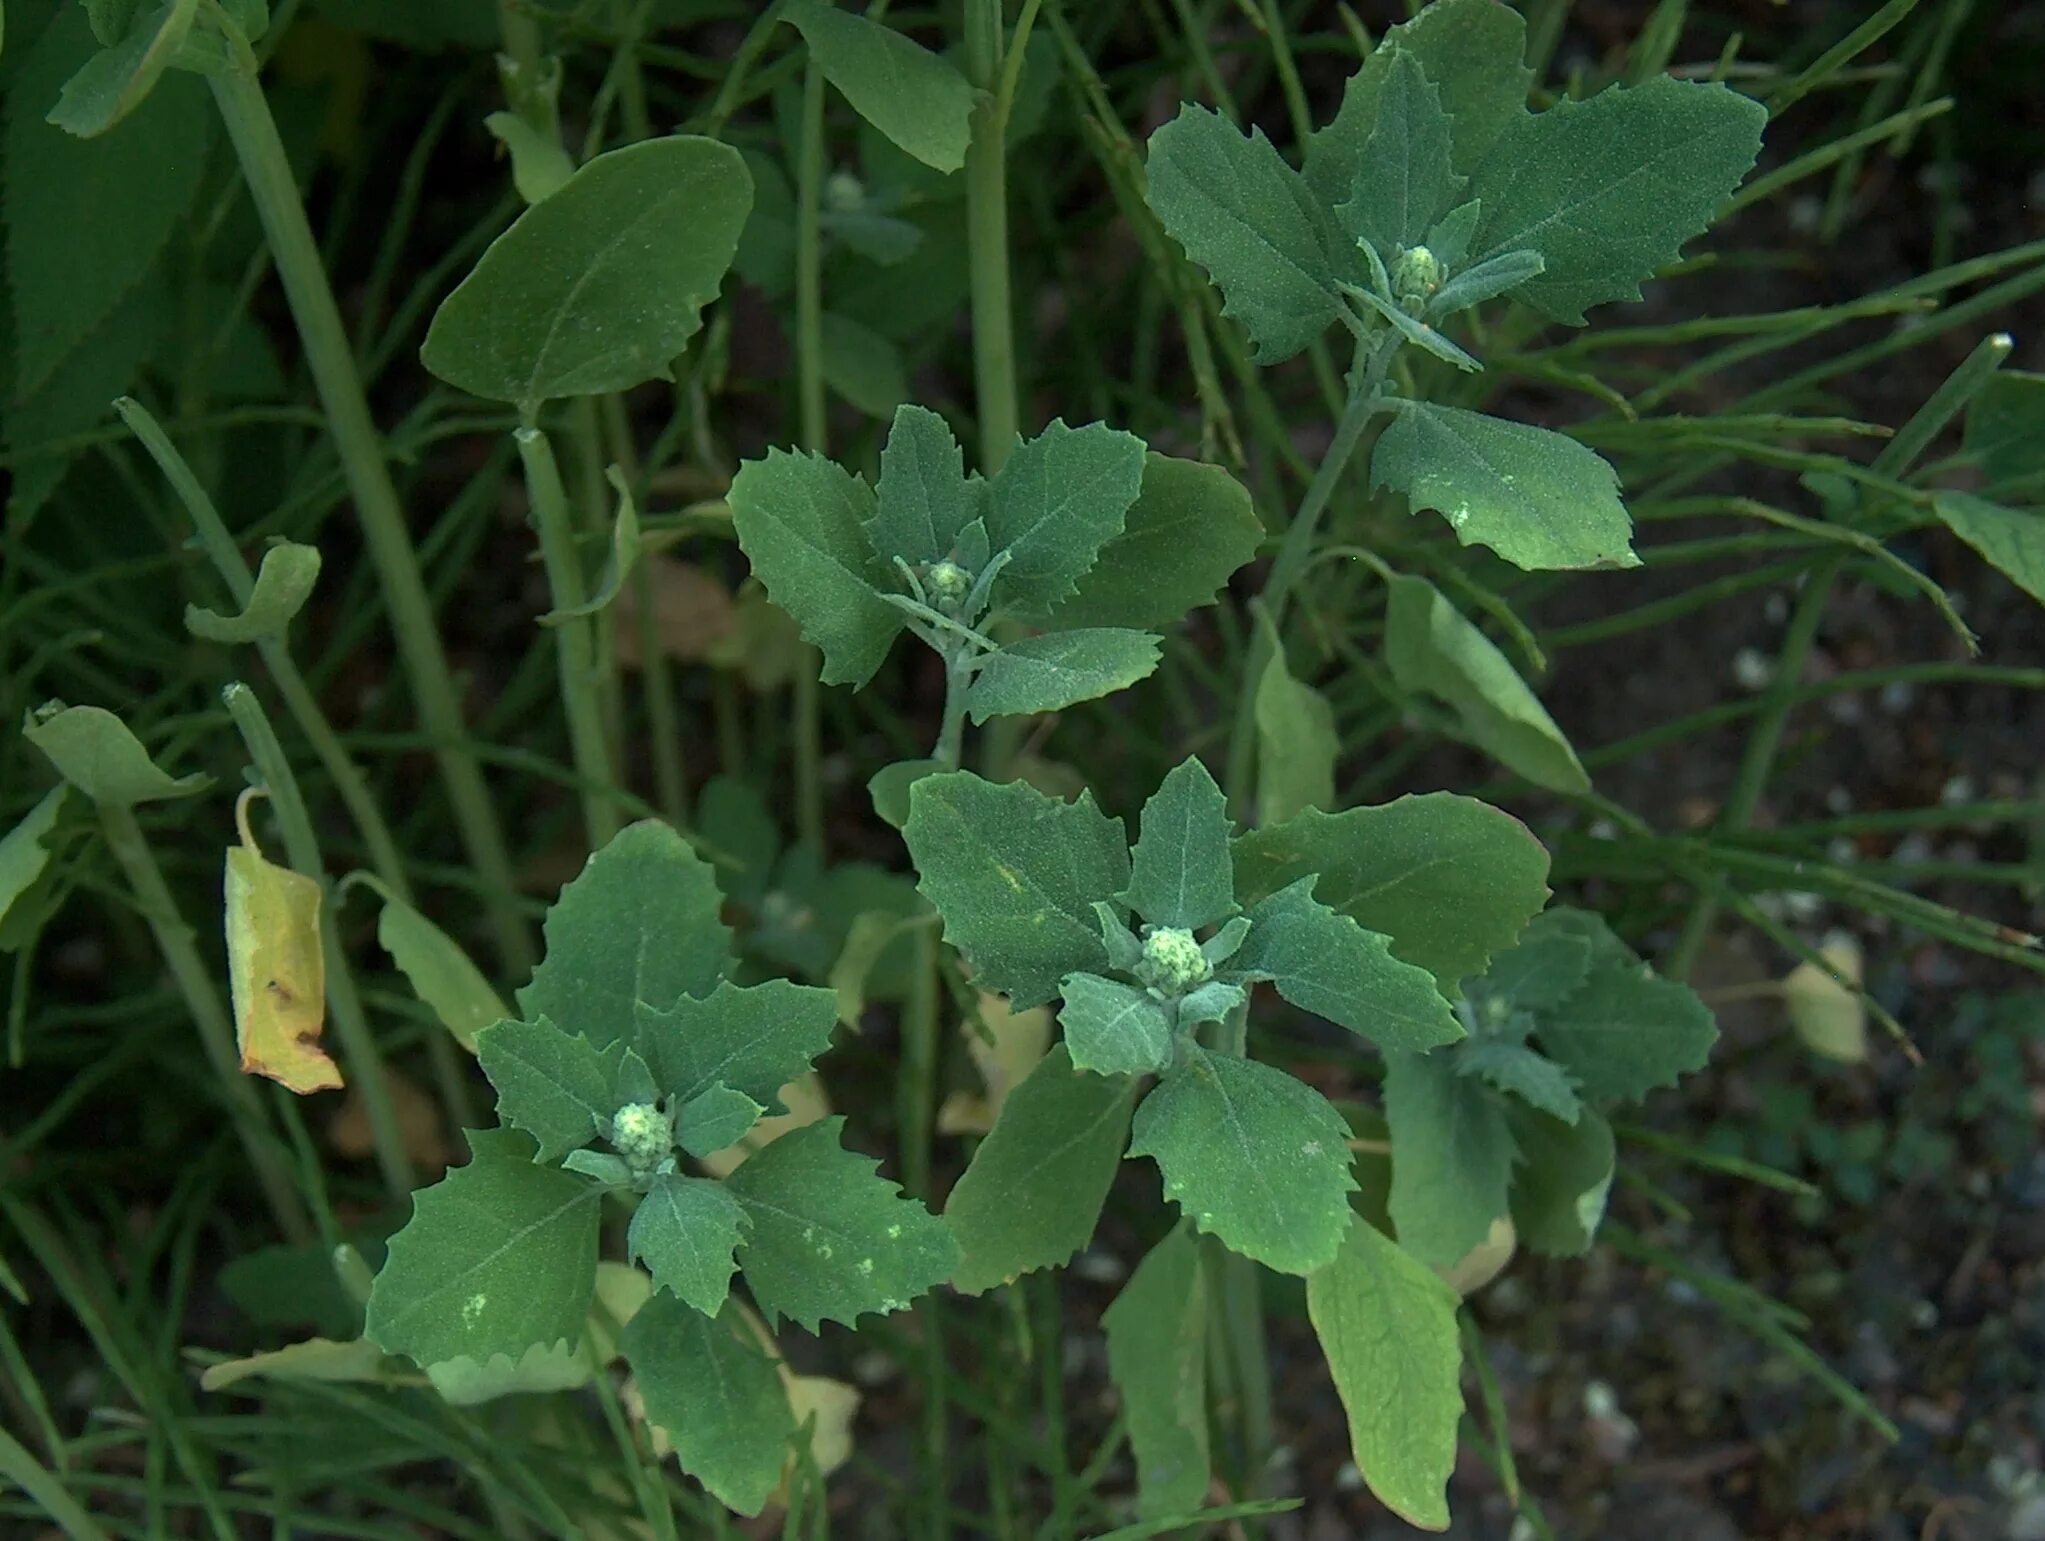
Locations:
column 276, row 968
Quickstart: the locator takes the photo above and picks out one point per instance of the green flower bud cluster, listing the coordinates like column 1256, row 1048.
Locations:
column 947, row 584
column 1172, row 961
column 1416, row 274
column 643, row 1135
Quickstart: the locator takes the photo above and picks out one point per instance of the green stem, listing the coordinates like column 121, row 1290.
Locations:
column 1295, row 551
column 209, row 1014
column 577, row 665
column 994, row 381
column 366, row 1073
column 805, row 707
column 47, row 1490
column 951, row 736
column 267, row 171
column 349, row 782
column 656, row 670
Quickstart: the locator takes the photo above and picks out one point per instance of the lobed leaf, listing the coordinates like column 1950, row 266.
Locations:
column 499, row 1255
column 1520, row 1072
column 685, row 1231
column 753, row 1039
column 1251, row 221
column 1627, row 1030
column 1015, row 875
column 1405, row 179
column 554, row 1085
column 1566, row 1170
column 1473, row 51
column 1387, row 1324
column 1034, row 1191
column 1157, row 1357
column 1057, row 500
column 640, row 925
column 1607, row 189
column 1191, row 526
column 1452, row 1156
column 1050, row 672
column 709, row 1387
column 1252, row 1156
column 802, row 522
column 1432, row 650
column 1322, row 961
column 1114, row 1029
column 828, row 1237
column 1448, row 879
column 924, row 497
column 1539, row 499
column 1179, row 870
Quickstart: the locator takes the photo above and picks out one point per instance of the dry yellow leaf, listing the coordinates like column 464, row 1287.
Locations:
column 275, row 967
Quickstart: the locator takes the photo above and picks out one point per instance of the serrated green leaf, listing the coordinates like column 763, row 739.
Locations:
column 1565, row 1174
column 924, row 498
column 1537, row 498
column 1113, row 1028
column 685, row 1231
column 1056, row 501
column 910, row 94
column 1191, row 526
column 1452, row 1156
column 111, row 85
column 87, row 219
column 1474, row 51
column 752, row 1038
column 1405, row 180
column 598, row 287
column 1544, row 969
column 498, row 1255
column 1250, row 220
column 639, row 925
column 439, row 972
column 283, row 584
column 553, row 1085
column 1157, row 1357
column 1034, row 1191
column 1387, row 1324
column 2010, row 540
column 24, row 849
column 545, row 1367
column 1519, row 1071
column 2005, row 431
column 1449, row 879
column 1297, row 745
column 1252, row 1156
column 802, row 522
column 715, row 1119
column 1492, row 277
column 1322, row 961
column 1179, row 870
column 1419, row 333
column 1432, row 650
column 718, row 1398
column 1607, row 189
column 1049, row 672
column 830, row 1238
column 1016, row 874
column 94, row 751
column 1627, row 1030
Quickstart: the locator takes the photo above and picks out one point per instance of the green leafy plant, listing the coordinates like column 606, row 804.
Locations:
column 698, row 335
